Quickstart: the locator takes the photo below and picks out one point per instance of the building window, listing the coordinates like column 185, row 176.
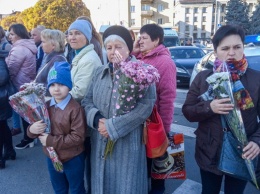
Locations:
column 145, row 8
column 222, row 19
column 204, row 10
column 145, row 21
column 160, row 21
column 132, row 22
column 203, row 27
column 194, row 35
column 195, row 10
column 186, row 19
column 195, row 19
column 132, row 9
column 204, row 19
column 223, row 8
column 160, row 8
column 213, row 19
column 187, row 28
column 187, row 10
column 195, row 28
column 203, row 35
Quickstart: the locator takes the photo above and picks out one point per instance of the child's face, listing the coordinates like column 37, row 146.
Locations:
column 58, row 91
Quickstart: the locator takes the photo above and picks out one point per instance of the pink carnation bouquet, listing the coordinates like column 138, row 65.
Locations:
column 131, row 81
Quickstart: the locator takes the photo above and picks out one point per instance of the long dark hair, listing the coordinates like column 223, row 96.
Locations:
column 20, row 30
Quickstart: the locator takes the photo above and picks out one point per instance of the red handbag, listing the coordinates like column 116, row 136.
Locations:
column 154, row 135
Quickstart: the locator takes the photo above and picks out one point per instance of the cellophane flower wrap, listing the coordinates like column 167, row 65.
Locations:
column 131, row 81
column 29, row 103
column 221, row 86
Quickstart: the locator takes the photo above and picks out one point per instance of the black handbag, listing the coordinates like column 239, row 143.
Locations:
column 231, row 161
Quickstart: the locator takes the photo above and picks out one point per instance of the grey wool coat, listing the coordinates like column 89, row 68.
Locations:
column 125, row 171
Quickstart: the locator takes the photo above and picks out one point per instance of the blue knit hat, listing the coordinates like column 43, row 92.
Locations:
column 60, row 73
column 83, row 26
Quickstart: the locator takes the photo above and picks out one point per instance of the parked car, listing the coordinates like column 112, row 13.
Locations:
column 185, row 57
column 252, row 55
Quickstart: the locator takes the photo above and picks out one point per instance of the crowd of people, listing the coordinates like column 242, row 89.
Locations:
column 77, row 68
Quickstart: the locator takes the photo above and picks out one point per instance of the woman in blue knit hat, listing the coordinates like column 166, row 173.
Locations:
column 68, row 129
column 83, row 66
column 86, row 59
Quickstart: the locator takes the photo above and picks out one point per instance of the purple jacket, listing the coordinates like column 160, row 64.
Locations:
column 21, row 62
column 160, row 58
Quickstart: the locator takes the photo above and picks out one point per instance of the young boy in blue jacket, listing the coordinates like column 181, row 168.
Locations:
column 68, row 128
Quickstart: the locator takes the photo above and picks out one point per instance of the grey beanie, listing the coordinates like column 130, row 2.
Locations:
column 84, row 27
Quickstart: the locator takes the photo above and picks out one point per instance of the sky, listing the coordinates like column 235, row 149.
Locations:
column 6, row 6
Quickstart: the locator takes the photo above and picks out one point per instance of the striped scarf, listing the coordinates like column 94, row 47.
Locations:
column 237, row 69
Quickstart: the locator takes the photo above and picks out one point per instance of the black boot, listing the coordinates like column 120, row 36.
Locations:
column 2, row 163
column 10, row 155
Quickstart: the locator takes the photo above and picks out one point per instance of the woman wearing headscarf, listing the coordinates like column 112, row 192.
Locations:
column 124, row 171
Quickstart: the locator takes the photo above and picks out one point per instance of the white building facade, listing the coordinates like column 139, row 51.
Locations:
column 191, row 18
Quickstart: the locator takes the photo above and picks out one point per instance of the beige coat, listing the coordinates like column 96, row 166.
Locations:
column 83, row 66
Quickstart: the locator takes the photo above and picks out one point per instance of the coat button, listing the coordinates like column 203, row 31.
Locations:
column 102, row 157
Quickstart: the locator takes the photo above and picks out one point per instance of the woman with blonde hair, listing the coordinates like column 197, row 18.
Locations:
column 53, row 44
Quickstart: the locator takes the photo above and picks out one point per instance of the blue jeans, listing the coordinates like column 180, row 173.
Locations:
column 16, row 120
column 72, row 179
column 211, row 183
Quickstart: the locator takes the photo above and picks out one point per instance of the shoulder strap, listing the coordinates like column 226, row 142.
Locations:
column 3, row 46
column 223, row 122
column 46, row 66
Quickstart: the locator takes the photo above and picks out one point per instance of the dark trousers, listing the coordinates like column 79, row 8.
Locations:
column 157, row 185
column 72, row 178
column 211, row 183
column 5, row 137
column 87, row 166
column 25, row 126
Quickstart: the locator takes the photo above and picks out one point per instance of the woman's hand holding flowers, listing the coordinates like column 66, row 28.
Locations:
column 102, row 128
column 221, row 106
column 251, row 150
column 43, row 138
column 38, row 127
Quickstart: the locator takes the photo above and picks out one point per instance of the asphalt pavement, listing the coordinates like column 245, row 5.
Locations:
column 27, row 174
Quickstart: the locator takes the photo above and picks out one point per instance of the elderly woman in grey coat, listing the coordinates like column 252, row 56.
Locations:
column 125, row 170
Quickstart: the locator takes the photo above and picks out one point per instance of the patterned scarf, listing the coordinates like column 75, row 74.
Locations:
column 237, row 69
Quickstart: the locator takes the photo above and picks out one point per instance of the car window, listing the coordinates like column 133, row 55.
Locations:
column 210, row 61
column 254, row 62
column 186, row 53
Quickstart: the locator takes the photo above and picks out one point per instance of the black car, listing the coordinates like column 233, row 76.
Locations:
column 252, row 55
column 185, row 57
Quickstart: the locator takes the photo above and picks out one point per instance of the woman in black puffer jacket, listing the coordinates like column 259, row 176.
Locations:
column 5, row 113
